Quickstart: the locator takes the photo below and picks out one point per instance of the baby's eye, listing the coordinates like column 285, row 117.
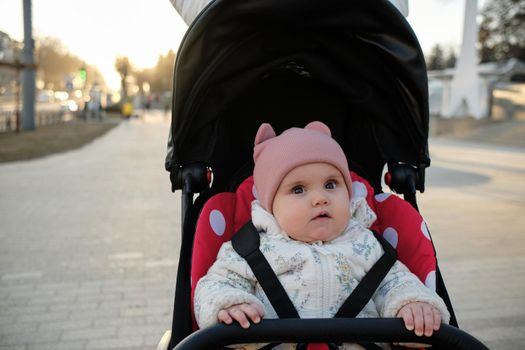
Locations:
column 298, row 190
column 330, row 185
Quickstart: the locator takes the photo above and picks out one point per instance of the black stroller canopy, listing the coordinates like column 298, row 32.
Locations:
column 355, row 65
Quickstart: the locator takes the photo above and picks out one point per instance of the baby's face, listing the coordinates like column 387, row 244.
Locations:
column 312, row 203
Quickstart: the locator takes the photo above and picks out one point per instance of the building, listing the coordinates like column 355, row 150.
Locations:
column 9, row 52
column 493, row 78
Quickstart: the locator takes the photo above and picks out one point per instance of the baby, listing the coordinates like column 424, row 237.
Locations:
column 315, row 236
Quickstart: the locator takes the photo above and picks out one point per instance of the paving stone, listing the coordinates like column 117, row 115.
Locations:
column 118, row 322
column 122, row 343
column 144, row 330
column 96, row 313
column 62, row 345
column 43, row 317
column 26, row 338
column 75, row 307
column 17, row 310
column 18, row 327
column 6, row 319
column 66, row 325
column 89, row 333
column 13, row 347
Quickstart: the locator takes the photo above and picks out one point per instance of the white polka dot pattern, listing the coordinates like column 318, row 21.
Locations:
column 390, row 234
column 359, row 189
column 217, row 222
column 424, row 230
column 254, row 192
column 430, row 280
column 382, row 197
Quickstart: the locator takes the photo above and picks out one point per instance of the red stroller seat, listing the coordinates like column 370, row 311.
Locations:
column 399, row 223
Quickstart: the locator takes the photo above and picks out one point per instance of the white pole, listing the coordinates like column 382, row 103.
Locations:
column 465, row 88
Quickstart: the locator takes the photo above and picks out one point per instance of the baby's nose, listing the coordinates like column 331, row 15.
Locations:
column 320, row 199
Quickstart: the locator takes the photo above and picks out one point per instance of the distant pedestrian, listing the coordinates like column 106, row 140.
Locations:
column 94, row 105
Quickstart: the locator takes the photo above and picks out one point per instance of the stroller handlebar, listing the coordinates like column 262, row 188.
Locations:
column 332, row 330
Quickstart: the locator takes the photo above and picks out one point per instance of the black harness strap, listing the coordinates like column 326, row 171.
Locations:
column 246, row 243
column 370, row 282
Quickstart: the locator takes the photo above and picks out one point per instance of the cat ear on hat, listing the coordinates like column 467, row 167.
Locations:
column 264, row 133
column 319, row 126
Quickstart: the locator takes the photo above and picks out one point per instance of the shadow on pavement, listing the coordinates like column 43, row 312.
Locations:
column 446, row 177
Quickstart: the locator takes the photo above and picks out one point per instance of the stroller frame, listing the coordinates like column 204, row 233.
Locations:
column 226, row 27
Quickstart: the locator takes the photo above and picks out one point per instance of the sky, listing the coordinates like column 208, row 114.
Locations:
column 97, row 31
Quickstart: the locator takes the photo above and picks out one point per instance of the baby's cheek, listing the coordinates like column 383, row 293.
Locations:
column 343, row 219
column 291, row 224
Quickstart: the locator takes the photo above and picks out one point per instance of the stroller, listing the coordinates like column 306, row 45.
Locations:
column 354, row 65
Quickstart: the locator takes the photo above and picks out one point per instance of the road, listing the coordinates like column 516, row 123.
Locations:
column 89, row 241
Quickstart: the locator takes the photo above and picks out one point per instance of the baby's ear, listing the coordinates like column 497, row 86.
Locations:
column 319, row 126
column 264, row 133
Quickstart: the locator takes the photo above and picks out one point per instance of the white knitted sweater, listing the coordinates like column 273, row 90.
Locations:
column 318, row 276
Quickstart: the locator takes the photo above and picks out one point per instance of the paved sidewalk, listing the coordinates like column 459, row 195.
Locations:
column 88, row 244
column 474, row 205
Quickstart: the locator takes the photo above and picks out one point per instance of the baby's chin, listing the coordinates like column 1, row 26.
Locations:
column 321, row 236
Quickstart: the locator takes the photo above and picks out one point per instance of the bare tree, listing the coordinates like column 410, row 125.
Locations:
column 56, row 64
column 124, row 68
column 162, row 77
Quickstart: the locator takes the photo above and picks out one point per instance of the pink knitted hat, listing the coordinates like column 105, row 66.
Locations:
column 275, row 156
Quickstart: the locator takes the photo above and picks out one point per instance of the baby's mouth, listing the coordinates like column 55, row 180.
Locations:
column 322, row 215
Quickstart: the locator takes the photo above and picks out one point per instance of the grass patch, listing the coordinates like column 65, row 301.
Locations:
column 50, row 139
